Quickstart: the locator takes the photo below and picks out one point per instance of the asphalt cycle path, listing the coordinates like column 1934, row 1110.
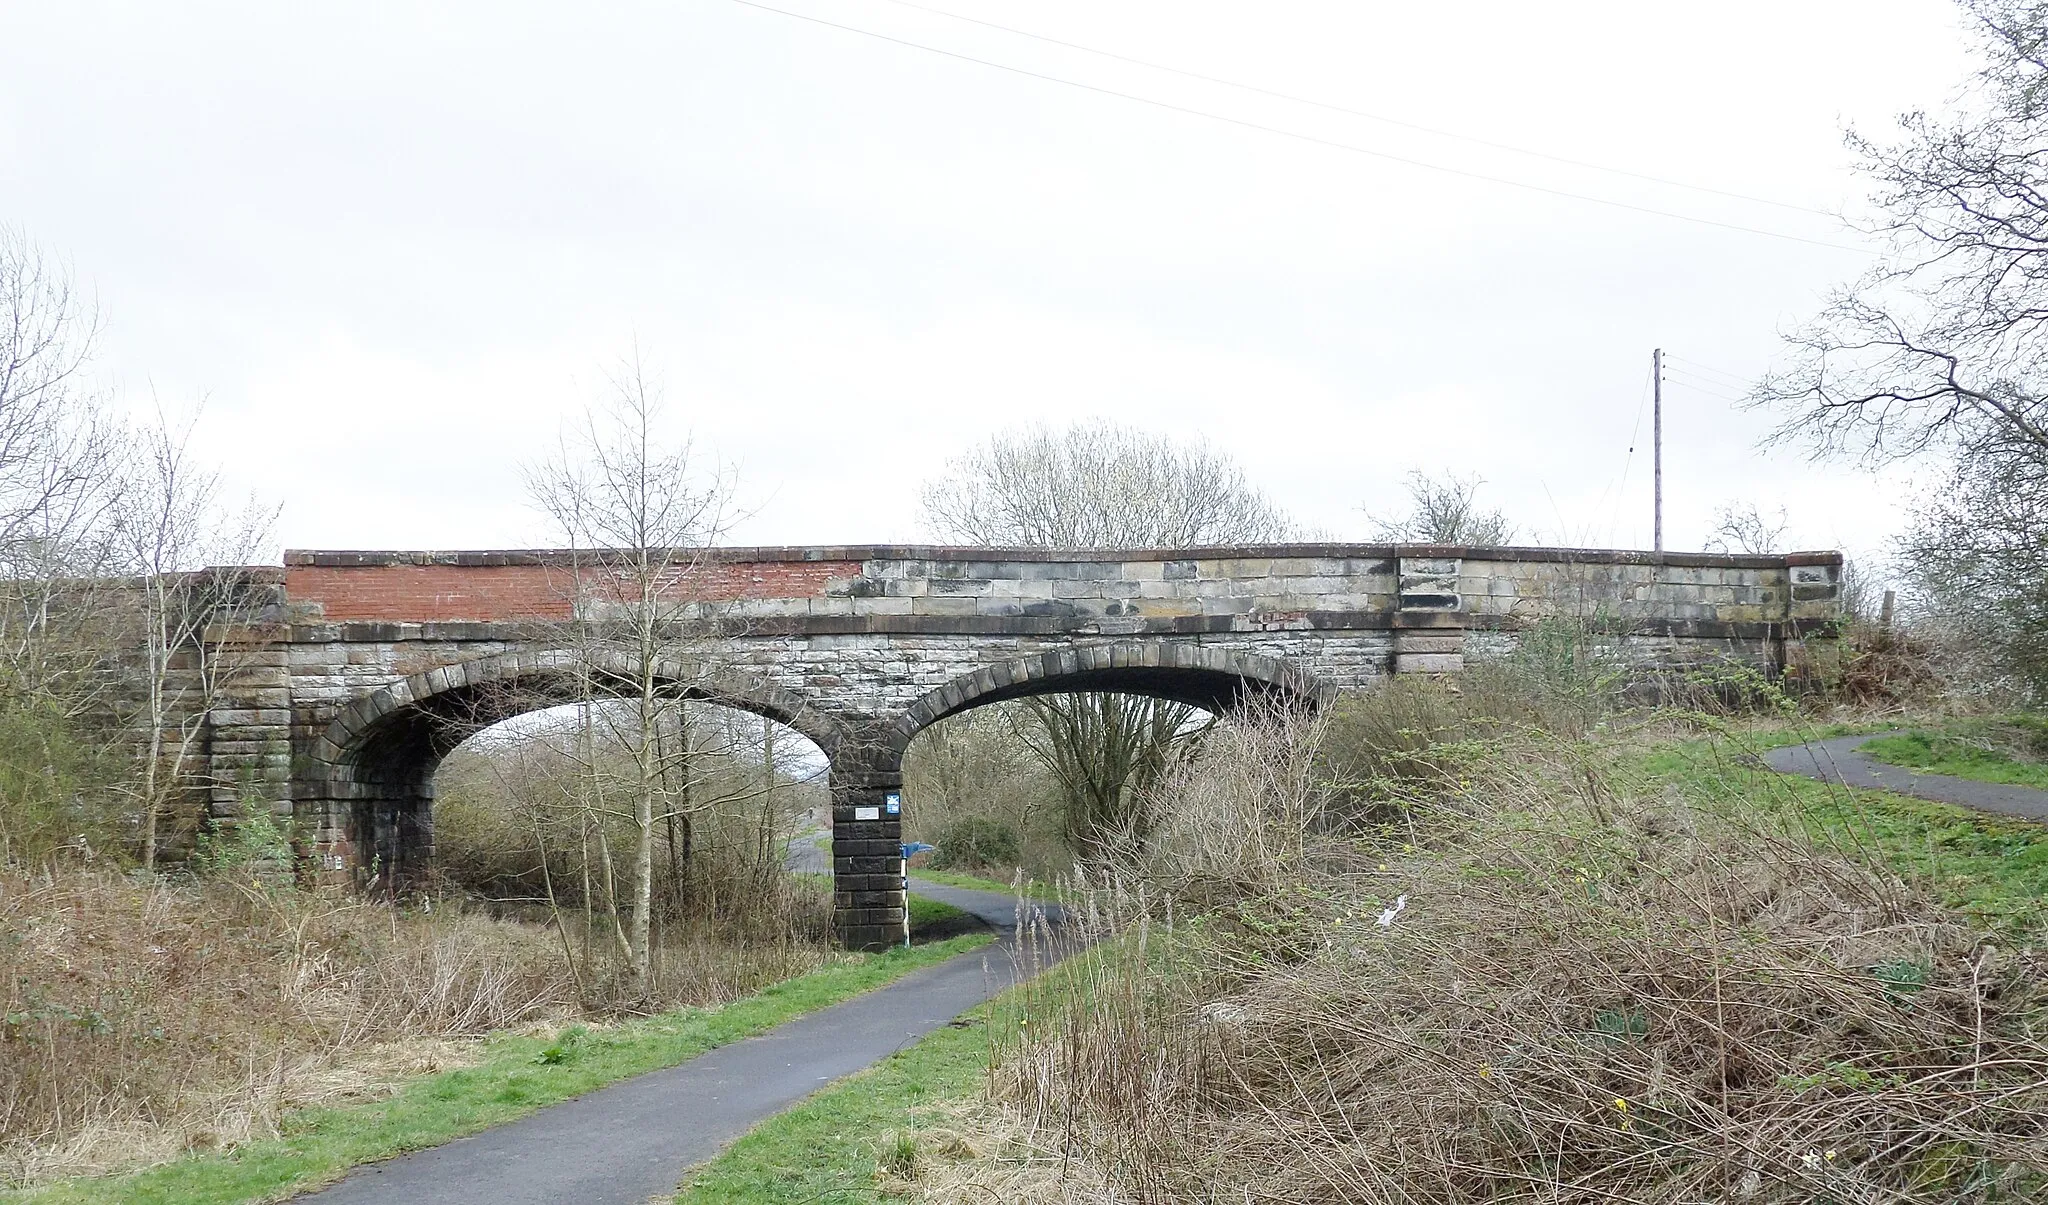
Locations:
column 634, row 1140
column 1837, row 761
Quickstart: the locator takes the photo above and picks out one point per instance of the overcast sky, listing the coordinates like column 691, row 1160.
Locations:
column 395, row 247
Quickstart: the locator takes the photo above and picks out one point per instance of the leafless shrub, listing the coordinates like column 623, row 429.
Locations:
column 1235, row 819
column 1387, row 743
column 1875, row 667
column 1566, row 987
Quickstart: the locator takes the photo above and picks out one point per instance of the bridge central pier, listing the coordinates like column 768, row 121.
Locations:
column 869, row 905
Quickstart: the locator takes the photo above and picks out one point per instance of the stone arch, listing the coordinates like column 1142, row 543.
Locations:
column 376, row 758
column 867, row 770
column 1203, row 675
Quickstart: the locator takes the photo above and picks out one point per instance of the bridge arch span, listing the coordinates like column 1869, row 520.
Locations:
column 867, row 769
column 377, row 756
column 1214, row 679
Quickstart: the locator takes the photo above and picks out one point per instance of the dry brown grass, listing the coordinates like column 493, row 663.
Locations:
column 143, row 1019
column 1596, row 991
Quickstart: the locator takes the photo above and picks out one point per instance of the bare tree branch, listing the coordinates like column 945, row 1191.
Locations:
column 1444, row 510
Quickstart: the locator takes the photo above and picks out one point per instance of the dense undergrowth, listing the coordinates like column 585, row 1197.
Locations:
column 146, row 1018
column 1514, row 941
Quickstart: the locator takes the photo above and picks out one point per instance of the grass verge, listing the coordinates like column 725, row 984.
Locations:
column 1992, row 868
column 828, row 1150
column 931, row 920
column 1034, row 890
column 1933, row 751
column 892, row 1123
column 517, row 1076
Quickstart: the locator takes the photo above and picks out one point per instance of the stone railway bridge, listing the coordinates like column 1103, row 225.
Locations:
column 366, row 668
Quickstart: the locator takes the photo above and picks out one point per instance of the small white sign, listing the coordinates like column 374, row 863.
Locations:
column 867, row 813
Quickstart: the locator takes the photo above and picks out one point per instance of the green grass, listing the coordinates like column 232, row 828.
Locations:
column 825, row 1150
column 931, row 920
column 1034, row 890
column 828, row 1150
column 1933, row 751
column 1991, row 867
column 517, row 1076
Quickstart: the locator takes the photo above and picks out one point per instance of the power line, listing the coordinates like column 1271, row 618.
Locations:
column 1684, row 380
column 1298, row 135
column 1734, row 378
column 1361, row 113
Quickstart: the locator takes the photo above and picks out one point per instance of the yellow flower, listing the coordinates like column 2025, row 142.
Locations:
column 1621, row 1104
column 1485, row 1072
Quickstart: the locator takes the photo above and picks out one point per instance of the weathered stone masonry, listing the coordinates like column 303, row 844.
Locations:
column 380, row 662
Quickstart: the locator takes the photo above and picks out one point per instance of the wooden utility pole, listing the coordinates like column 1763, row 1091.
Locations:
column 1657, row 448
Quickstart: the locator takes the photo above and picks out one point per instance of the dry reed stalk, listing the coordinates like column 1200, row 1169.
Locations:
column 142, row 1019
column 1596, row 992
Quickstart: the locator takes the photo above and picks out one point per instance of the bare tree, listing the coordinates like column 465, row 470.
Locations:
column 1741, row 527
column 58, row 461
column 642, row 518
column 58, row 470
column 57, row 446
column 1943, row 341
column 1096, row 485
column 1941, row 348
column 184, row 551
column 1444, row 510
column 1974, row 561
column 1107, row 752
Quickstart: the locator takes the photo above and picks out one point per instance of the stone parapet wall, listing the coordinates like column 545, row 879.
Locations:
column 1111, row 592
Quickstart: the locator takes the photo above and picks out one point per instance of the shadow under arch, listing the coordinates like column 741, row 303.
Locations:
column 1213, row 679
column 380, row 753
